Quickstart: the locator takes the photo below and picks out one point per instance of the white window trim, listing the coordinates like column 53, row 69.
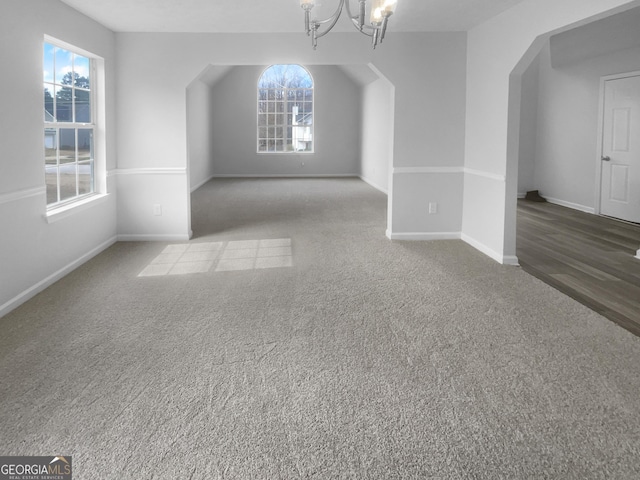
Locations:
column 82, row 203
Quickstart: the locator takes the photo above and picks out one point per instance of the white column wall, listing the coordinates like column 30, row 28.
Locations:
column 377, row 130
column 199, row 124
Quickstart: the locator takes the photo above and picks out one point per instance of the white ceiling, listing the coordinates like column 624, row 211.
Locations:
column 272, row 16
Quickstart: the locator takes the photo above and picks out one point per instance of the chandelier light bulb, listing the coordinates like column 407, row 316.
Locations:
column 390, row 6
column 376, row 16
column 377, row 12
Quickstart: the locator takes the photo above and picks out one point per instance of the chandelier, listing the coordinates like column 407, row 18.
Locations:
column 381, row 10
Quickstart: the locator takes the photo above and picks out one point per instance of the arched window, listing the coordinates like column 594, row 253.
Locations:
column 285, row 110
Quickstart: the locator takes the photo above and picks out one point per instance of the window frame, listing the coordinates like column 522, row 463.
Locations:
column 279, row 125
column 80, row 198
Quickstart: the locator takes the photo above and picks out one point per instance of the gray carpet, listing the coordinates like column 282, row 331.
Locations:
column 365, row 358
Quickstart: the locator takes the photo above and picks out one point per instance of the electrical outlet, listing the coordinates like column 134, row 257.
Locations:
column 433, row 208
column 157, row 209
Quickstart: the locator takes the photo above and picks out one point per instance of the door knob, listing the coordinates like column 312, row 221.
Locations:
column 606, row 159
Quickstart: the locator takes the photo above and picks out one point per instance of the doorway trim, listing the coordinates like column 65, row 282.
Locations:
column 598, row 157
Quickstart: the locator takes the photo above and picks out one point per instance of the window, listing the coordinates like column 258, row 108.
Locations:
column 68, row 125
column 285, row 110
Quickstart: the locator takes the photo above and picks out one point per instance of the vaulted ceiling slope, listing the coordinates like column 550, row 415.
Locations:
column 602, row 37
column 276, row 16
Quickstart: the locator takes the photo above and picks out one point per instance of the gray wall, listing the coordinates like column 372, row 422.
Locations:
column 336, row 129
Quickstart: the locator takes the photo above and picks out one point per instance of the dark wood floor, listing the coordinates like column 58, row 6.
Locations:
column 588, row 257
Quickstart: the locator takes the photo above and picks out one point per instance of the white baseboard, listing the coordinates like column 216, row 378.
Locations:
column 522, row 195
column 54, row 277
column 498, row 257
column 287, row 175
column 374, row 185
column 575, row 206
column 168, row 237
column 423, row 235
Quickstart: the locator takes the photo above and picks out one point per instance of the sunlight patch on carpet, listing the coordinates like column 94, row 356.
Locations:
column 182, row 259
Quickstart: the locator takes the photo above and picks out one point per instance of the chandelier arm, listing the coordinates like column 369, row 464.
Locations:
column 332, row 20
column 356, row 21
column 383, row 28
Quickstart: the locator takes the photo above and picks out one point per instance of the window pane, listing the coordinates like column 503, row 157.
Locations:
column 85, row 144
column 48, row 103
column 64, row 106
column 82, row 72
column 64, row 66
column 67, row 181
column 47, row 69
column 50, row 147
column 83, row 106
column 85, row 178
column 67, row 145
column 51, row 177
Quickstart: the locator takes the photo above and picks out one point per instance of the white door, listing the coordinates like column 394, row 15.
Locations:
column 620, row 176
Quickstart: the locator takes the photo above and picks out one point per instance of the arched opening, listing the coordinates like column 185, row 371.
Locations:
column 351, row 127
column 553, row 112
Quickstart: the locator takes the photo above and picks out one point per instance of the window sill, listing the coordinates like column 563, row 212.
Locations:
column 286, row 153
column 59, row 213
